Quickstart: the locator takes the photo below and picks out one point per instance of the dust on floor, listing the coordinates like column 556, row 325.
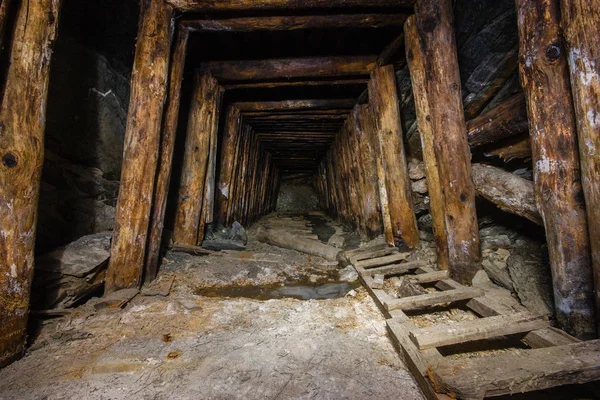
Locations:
column 186, row 346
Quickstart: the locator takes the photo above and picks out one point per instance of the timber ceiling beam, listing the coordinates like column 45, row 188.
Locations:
column 264, row 5
column 286, row 105
column 290, row 68
column 295, row 22
column 287, row 83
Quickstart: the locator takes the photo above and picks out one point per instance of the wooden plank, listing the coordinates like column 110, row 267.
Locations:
column 429, row 277
column 434, row 25
column 417, row 361
column 375, row 262
column 479, row 329
column 262, row 5
column 544, row 76
column 294, row 22
column 548, row 337
column 578, row 19
column 165, row 162
column 290, row 68
column 142, row 142
column 377, row 282
column 506, row 120
column 519, row 371
column 432, row 299
column 26, row 76
column 387, row 250
column 394, row 269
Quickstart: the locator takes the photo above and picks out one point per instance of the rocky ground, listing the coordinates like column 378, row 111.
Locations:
column 191, row 346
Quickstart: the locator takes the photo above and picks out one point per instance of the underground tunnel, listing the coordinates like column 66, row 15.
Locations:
column 299, row 199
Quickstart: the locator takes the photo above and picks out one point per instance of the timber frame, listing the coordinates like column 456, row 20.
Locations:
column 360, row 135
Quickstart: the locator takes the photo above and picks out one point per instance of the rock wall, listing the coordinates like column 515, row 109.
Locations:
column 87, row 113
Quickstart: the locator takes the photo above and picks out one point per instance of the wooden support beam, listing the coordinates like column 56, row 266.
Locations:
column 287, row 105
column 508, row 191
column 165, row 162
column 391, row 49
column 263, row 5
column 506, row 120
column 290, row 68
column 384, row 101
column 142, row 140
column 281, row 238
column 23, row 121
column 579, row 19
column 545, row 79
column 295, row 22
column 502, row 72
column 233, row 122
column 394, row 269
column 385, row 260
column 435, row 41
column 518, row 371
column 479, row 329
column 294, row 83
column 433, row 299
column 201, row 126
column 416, row 63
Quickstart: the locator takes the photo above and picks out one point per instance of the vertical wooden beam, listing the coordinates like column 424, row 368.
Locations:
column 416, row 63
column 373, row 222
column 233, row 120
column 149, row 82
column 165, row 163
column 453, row 157
column 22, row 125
column 370, row 130
column 195, row 159
column 384, row 100
column 545, row 79
column 580, row 21
column 208, row 204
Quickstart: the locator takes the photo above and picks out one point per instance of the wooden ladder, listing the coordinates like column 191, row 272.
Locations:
column 553, row 358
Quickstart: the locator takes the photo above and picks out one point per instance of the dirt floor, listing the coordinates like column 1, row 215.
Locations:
column 192, row 346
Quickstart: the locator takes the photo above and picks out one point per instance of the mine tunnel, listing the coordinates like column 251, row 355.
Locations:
column 299, row 199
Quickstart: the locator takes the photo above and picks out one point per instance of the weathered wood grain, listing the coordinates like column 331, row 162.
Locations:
column 290, row 68
column 22, row 121
column 165, row 162
column 545, row 79
column 202, row 123
column 508, row 191
column 294, row 22
column 580, row 20
column 258, row 5
column 384, row 102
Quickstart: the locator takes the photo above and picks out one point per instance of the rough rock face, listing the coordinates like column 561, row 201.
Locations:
column 297, row 197
column 87, row 113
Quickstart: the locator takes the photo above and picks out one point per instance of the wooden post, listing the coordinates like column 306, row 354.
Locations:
column 373, row 222
column 579, row 20
column 201, row 124
column 384, row 100
column 149, row 82
column 233, row 122
column 545, row 79
column 163, row 178
column 22, row 122
column 208, row 204
column 453, row 158
column 416, row 63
